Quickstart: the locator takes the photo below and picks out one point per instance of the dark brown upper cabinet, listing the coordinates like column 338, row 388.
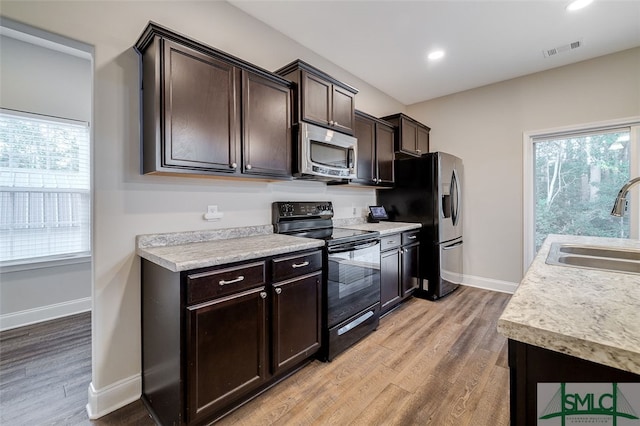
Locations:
column 412, row 137
column 266, row 114
column 206, row 112
column 320, row 98
column 375, row 150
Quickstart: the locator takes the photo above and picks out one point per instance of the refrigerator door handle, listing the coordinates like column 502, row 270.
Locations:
column 455, row 197
column 452, row 246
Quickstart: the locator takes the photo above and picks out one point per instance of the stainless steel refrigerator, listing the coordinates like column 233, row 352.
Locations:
column 428, row 190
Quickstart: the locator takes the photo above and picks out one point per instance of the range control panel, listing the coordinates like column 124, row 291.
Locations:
column 288, row 210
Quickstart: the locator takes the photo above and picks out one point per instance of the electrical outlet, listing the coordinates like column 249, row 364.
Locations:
column 213, row 213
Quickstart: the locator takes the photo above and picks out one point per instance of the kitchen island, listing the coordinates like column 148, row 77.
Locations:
column 571, row 325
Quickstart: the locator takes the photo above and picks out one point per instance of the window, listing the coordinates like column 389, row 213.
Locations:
column 577, row 177
column 45, row 200
column 572, row 177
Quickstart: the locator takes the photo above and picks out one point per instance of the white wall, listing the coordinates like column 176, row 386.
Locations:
column 127, row 203
column 484, row 126
column 44, row 81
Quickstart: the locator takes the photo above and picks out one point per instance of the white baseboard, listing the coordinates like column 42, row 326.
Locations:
column 114, row 396
column 489, row 284
column 44, row 313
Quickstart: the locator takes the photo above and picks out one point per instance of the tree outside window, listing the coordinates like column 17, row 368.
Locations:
column 577, row 178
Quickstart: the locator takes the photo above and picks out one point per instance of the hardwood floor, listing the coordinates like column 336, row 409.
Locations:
column 439, row 363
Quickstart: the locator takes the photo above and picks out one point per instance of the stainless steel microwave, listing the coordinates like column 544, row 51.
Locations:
column 326, row 154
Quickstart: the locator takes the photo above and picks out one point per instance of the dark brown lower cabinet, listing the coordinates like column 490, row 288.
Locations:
column 399, row 267
column 389, row 279
column 531, row 365
column 215, row 337
column 295, row 328
column 226, row 351
column 410, row 258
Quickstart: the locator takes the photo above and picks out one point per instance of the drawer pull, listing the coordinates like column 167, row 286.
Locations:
column 237, row 280
column 412, row 237
column 278, row 290
column 300, row 265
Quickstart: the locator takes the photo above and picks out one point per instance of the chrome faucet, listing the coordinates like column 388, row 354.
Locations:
column 621, row 200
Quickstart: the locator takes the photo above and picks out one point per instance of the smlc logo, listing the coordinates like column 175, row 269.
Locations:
column 589, row 403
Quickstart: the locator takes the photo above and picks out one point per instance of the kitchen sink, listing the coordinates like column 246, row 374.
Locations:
column 595, row 257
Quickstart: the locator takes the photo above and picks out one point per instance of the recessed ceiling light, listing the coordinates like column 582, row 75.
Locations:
column 578, row 4
column 436, row 54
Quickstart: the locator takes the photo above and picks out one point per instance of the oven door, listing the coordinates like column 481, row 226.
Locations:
column 353, row 279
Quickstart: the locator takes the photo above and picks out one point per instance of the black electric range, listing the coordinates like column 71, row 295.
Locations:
column 351, row 307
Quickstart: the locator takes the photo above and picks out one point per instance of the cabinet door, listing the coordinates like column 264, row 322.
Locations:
column 342, row 114
column 408, row 136
column 200, row 109
column 384, row 154
column 365, row 132
column 423, row 140
column 410, row 266
column 389, row 279
column 266, row 117
column 316, row 99
column 226, row 351
column 296, row 320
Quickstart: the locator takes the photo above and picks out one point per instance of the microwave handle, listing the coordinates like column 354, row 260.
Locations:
column 351, row 155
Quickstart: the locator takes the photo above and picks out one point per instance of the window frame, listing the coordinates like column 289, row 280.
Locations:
column 83, row 256
column 529, row 138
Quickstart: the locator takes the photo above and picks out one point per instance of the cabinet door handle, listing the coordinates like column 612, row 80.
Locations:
column 263, row 294
column 233, row 165
column 237, row 280
column 331, row 123
column 248, row 166
column 418, row 151
column 300, row 265
column 278, row 290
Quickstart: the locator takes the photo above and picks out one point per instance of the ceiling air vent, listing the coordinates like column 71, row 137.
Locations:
column 562, row 49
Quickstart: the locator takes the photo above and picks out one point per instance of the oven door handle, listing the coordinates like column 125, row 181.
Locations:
column 341, row 248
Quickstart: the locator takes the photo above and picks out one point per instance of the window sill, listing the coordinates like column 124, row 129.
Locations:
column 16, row 266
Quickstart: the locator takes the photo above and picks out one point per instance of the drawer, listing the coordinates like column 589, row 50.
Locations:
column 296, row 265
column 390, row 241
column 410, row 237
column 221, row 282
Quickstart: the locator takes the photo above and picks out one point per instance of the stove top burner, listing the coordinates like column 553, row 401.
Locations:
column 333, row 236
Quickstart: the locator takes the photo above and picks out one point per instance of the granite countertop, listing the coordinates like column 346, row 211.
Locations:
column 589, row 314
column 384, row 228
column 183, row 251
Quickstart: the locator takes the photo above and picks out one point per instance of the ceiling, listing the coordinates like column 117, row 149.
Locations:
column 385, row 42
